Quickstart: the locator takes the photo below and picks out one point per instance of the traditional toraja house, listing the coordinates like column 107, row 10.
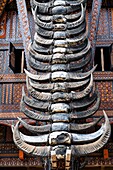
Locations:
column 16, row 32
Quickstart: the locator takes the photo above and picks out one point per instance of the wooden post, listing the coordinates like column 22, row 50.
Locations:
column 22, row 62
column 105, row 153
column 102, row 59
column 21, row 155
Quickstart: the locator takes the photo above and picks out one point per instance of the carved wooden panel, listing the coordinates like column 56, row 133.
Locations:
column 2, row 6
column 106, row 93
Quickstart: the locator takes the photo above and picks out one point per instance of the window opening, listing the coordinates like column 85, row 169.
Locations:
column 17, row 59
column 103, row 58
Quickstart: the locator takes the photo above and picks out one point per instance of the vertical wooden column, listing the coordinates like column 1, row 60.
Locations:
column 22, row 62
column 102, row 59
column 24, row 25
column 94, row 25
column 21, row 155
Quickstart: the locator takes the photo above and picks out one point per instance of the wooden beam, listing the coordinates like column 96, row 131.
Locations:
column 24, row 25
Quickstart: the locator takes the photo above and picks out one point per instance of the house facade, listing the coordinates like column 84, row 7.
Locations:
column 16, row 32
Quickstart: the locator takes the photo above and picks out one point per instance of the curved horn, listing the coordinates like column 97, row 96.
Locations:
column 84, row 102
column 37, row 65
column 35, row 129
column 42, row 40
column 74, row 115
column 88, row 112
column 50, row 33
column 69, row 57
column 83, row 93
column 40, row 139
column 42, row 24
column 48, row 18
column 42, row 32
column 87, row 137
column 75, row 137
column 76, row 47
column 57, row 86
column 29, row 149
column 78, row 150
column 58, row 95
column 83, row 126
column 33, row 115
column 58, row 9
column 79, row 55
column 77, row 39
column 44, row 4
column 82, row 64
column 38, row 77
column 79, row 21
column 75, row 31
column 37, row 94
column 57, row 126
column 62, row 75
column 38, row 56
column 35, row 103
column 41, row 49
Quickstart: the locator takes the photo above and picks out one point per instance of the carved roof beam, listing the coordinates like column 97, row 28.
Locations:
column 96, row 7
column 24, row 25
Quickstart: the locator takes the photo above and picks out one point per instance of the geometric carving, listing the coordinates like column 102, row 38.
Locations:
column 11, row 93
column 24, row 25
column 106, row 92
column 17, row 90
column 7, row 91
column 2, row 6
column 3, row 26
